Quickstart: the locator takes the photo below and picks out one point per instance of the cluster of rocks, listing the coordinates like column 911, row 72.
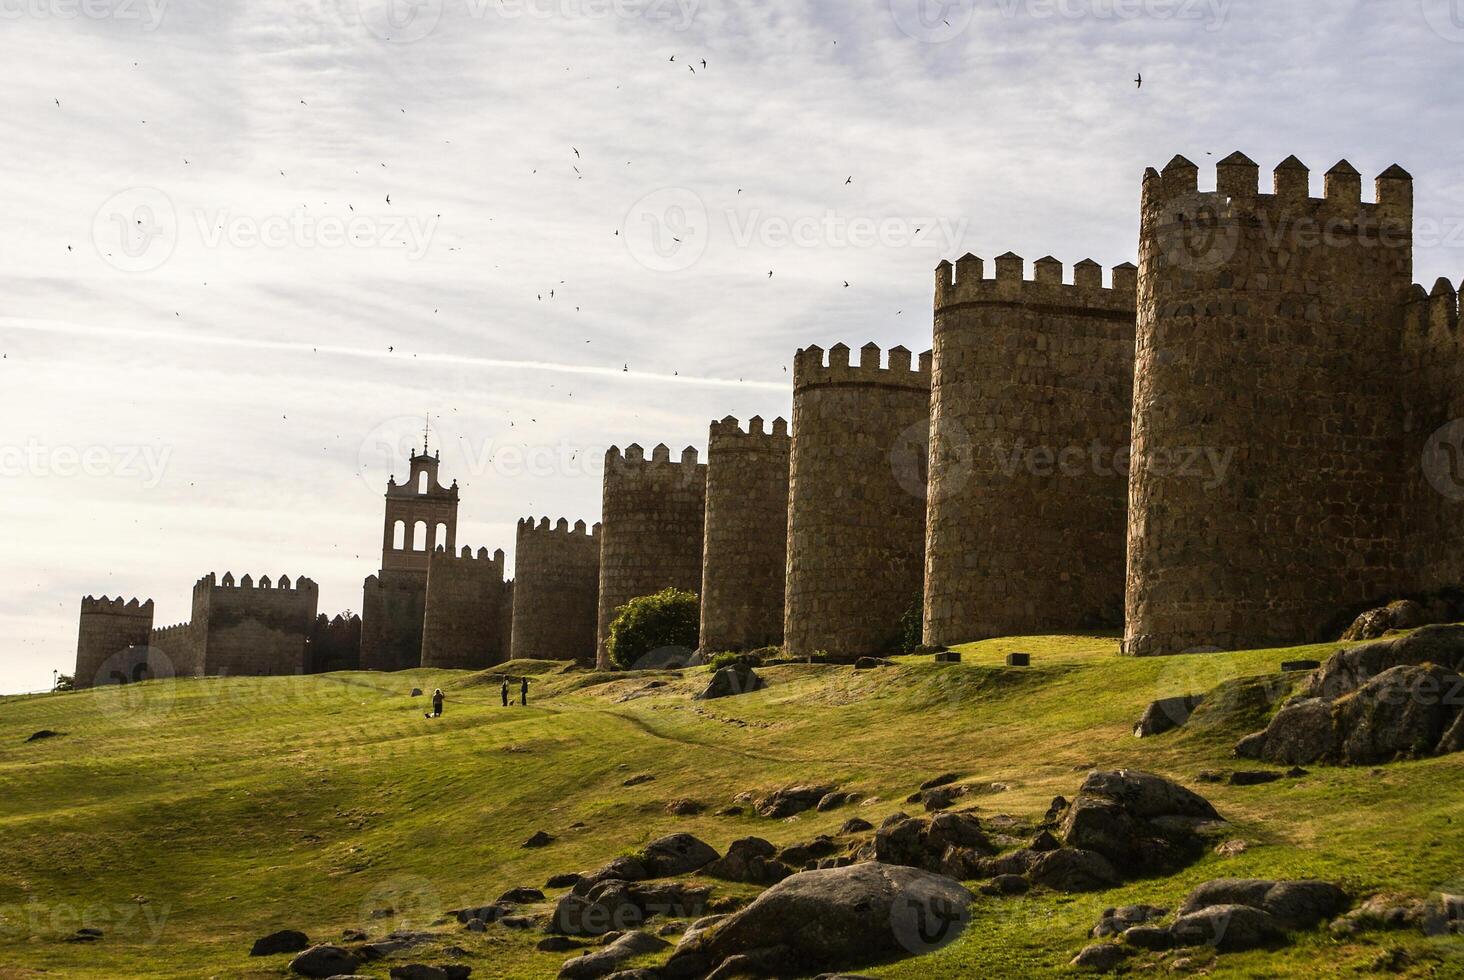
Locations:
column 328, row 960
column 1401, row 697
column 1439, row 915
column 1227, row 915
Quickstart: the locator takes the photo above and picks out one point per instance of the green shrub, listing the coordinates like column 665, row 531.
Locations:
column 752, row 659
column 669, row 618
column 910, row 624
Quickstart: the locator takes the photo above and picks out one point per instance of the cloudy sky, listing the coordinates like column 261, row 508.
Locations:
column 218, row 333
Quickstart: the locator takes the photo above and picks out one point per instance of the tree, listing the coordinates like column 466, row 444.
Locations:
column 669, row 618
column 65, row 682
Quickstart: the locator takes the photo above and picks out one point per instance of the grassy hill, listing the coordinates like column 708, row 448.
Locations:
column 187, row 818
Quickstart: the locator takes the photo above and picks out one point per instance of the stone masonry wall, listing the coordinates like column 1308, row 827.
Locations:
column 392, row 607
column 1269, row 333
column 112, row 639
column 556, row 590
column 651, row 535
column 463, row 623
column 857, row 484
column 253, row 630
column 744, row 563
column 1032, row 387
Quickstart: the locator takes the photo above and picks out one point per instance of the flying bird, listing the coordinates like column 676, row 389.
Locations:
column 1139, row 80
column 704, row 62
column 576, row 152
column 850, row 180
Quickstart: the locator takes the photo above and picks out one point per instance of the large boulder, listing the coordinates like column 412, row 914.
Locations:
column 677, row 854
column 1166, row 714
column 1136, row 820
column 1228, row 928
column 1295, row 904
column 1404, row 711
column 1301, row 732
column 824, row 920
column 607, row 960
column 325, row 961
column 284, row 941
column 750, row 860
column 732, row 680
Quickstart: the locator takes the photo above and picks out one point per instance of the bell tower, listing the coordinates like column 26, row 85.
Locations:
column 421, row 516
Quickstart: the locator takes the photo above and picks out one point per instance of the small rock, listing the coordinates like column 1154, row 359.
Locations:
column 416, row 692
column 944, row 779
column 730, row 681
column 606, row 961
column 1253, row 777
column 522, row 896
column 1166, row 714
column 870, row 663
column 855, row 825
column 1231, row 848
column 1006, row 885
column 1114, row 922
column 730, row 811
column 790, row 800
column 44, row 734
column 644, row 777
column 559, row 944
column 1101, row 957
column 539, row 839
column 567, row 880
column 676, row 854
column 1228, row 928
column 1293, row 666
column 685, row 808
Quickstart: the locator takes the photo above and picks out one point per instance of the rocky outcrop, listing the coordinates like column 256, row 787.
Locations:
column 947, row 843
column 1405, row 711
column 620, row 906
column 1349, row 669
column 825, row 920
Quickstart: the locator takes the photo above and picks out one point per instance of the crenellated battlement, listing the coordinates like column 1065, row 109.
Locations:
column 213, row 583
column 812, row 367
column 1238, row 193
column 561, row 527
column 1431, row 317
column 633, row 456
column 728, row 433
column 91, row 605
column 966, row 282
column 468, row 562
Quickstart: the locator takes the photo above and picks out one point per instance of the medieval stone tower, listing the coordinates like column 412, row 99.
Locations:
column 556, row 590
column 248, row 629
column 744, row 562
column 1269, row 474
column 1031, row 391
column 112, row 641
column 651, row 535
column 857, row 485
column 420, row 515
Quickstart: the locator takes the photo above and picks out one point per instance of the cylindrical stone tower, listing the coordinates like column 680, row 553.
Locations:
column 556, row 589
column 744, row 564
column 1265, row 490
column 651, row 530
column 1032, row 387
column 856, row 519
column 109, row 629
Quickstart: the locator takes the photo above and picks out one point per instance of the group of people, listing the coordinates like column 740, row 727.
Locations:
column 438, row 698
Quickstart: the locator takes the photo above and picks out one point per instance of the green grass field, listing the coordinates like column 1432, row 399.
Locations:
column 187, row 818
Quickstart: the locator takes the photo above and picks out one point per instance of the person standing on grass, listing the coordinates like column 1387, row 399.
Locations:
column 437, row 703
column 524, row 691
column 505, row 692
